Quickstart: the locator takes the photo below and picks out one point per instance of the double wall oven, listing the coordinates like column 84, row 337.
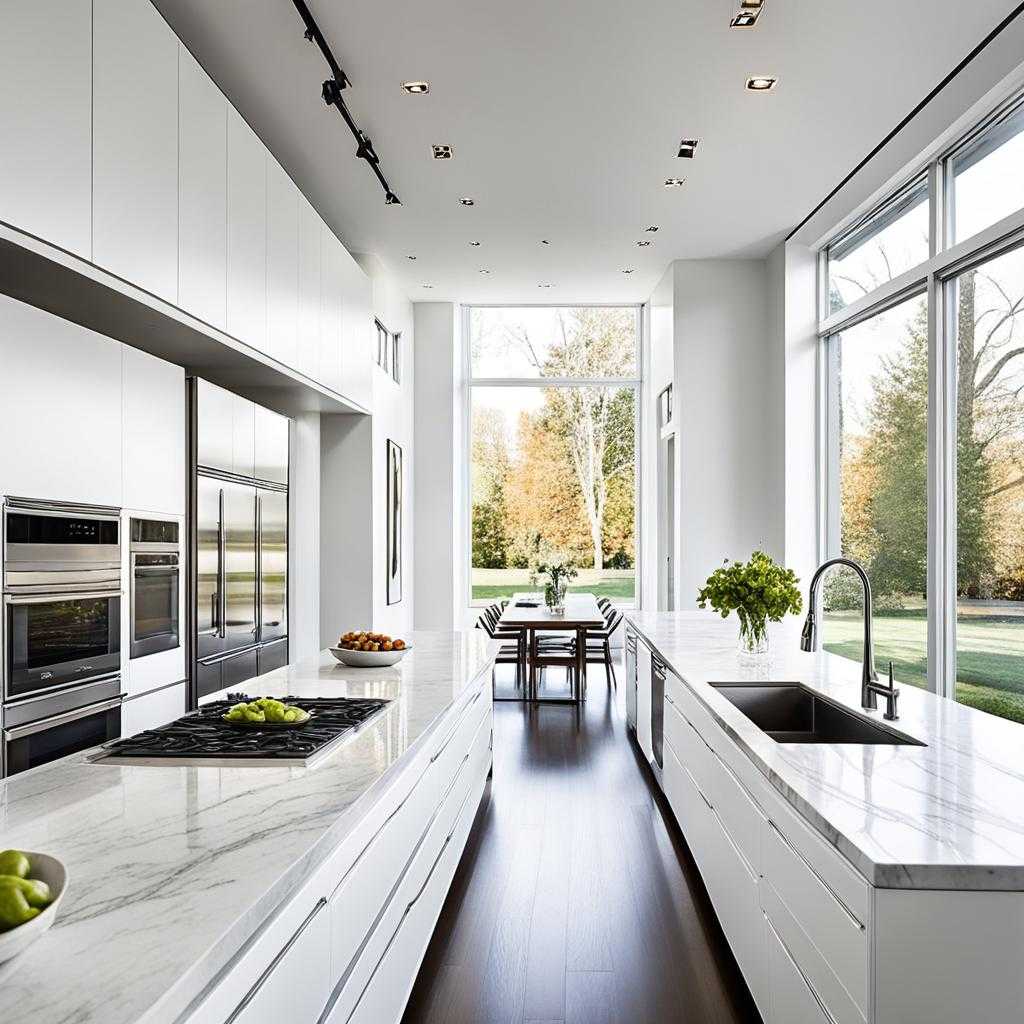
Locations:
column 155, row 586
column 62, row 687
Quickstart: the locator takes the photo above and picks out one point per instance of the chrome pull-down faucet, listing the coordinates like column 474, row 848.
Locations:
column 869, row 685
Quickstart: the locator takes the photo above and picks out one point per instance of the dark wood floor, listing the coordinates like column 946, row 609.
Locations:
column 575, row 902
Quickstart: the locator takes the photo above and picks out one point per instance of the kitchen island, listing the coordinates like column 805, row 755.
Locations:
column 252, row 894
column 856, row 882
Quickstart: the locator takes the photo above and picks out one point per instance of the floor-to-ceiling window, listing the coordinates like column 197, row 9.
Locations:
column 923, row 426
column 552, row 451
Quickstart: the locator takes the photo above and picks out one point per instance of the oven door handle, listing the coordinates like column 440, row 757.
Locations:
column 73, row 595
column 156, row 570
column 21, row 731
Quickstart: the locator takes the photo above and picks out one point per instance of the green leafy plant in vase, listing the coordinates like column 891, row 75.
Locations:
column 758, row 591
column 556, row 575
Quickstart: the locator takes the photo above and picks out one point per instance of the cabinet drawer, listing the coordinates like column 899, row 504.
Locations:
column 793, row 1000
column 690, row 747
column 692, row 709
column 831, row 922
column 740, row 815
column 449, row 750
column 368, row 885
column 360, row 975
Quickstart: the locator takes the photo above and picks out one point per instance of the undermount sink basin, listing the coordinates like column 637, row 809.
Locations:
column 790, row 713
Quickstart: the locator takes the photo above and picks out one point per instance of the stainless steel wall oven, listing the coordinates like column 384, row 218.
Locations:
column 61, row 629
column 156, row 586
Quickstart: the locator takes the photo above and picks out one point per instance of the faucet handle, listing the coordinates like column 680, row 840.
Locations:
column 891, row 714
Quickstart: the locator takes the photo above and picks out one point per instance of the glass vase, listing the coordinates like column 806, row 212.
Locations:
column 554, row 597
column 753, row 641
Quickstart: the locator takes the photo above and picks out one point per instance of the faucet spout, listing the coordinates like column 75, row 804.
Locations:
column 809, row 633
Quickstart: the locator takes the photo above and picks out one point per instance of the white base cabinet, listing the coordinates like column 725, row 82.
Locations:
column 152, row 709
column 347, row 948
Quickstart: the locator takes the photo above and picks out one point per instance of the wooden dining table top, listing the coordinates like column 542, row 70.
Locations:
column 581, row 610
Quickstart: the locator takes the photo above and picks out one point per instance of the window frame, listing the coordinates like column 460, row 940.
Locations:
column 935, row 278
column 635, row 383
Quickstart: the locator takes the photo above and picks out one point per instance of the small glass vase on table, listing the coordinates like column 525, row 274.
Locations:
column 557, row 574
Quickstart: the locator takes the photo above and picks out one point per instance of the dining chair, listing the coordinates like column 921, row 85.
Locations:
column 599, row 645
column 556, row 652
column 511, row 652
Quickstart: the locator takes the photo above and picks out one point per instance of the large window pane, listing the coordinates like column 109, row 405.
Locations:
column 988, row 176
column 548, row 341
column 879, row 408
column 890, row 242
column 553, row 470
column 990, row 487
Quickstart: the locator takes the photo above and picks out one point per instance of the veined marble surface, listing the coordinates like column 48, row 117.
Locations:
column 949, row 815
column 172, row 869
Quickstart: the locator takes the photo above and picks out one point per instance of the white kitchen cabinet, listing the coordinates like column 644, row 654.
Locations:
column 152, row 709
column 247, row 234
column 46, row 120
column 243, row 436
column 154, row 433
column 61, row 384
column 643, row 700
column 271, row 445
column 202, row 179
column 135, row 145
column 282, row 264
column 793, row 1001
column 214, row 426
column 307, row 355
column 359, row 333
column 331, row 285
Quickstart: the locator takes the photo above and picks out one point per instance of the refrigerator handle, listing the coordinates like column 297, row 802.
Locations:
column 258, row 625
column 222, row 571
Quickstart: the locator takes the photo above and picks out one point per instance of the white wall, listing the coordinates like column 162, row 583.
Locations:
column 727, row 416
column 304, row 536
column 439, row 572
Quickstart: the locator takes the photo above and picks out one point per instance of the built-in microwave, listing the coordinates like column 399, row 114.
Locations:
column 156, row 585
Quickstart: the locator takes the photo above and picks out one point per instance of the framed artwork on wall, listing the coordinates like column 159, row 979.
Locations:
column 394, row 523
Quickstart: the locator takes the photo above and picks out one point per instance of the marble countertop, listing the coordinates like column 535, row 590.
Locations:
column 948, row 815
column 172, row 869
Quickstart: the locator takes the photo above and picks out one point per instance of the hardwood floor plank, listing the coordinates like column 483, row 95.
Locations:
column 590, row 997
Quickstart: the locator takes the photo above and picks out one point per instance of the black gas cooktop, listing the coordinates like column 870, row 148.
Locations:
column 202, row 736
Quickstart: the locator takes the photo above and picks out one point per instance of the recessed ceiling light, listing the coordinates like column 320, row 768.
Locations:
column 675, row 182
column 416, row 88
column 644, row 242
column 474, row 243
column 544, row 241
column 761, row 83
column 687, row 147
column 743, row 20
column 653, row 227
column 629, row 270
column 426, row 286
column 443, row 152
column 482, row 271
column 545, row 286
column 466, row 201
column 410, row 257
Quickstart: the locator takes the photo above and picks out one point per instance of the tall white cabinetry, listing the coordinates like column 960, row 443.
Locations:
column 46, row 120
column 307, row 356
column 282, row 264
column 247, row 234
column 135, row 145
column 203, row 182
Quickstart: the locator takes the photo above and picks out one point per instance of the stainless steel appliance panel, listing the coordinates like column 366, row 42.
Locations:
column 658, row 672
column 239, row 669
column 239, row 566
column 155, row 587
column 209, row 622
column 273, row 564
column 271, row 656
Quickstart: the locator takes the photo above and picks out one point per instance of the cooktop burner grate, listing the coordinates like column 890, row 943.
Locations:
column 202, row 733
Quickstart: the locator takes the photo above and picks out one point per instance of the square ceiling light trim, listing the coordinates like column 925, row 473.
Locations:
column 443, row 152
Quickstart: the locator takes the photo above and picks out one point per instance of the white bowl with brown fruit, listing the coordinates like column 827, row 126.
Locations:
column 364, row 649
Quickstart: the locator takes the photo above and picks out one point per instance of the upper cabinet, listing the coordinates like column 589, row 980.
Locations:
column 358, row 336
column 46, row 120
column 282, row 264
column 135, row 145
column 203, row 183
column 247, row 234
column 308, row 337
column 153, row 436
column 271, row 445
column 330, row 310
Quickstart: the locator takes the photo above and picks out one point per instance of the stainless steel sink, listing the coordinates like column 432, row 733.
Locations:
column 790, row 713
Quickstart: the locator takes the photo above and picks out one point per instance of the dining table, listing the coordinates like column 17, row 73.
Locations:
column 529, row 612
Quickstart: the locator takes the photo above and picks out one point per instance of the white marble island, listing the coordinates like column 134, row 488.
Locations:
column 855, row 882
column 177, row 872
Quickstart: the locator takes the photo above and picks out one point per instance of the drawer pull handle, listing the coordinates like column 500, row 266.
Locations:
column 796, row 967
column 272, row 966
column 814, row 871
column 668, row 697
column 700, row 793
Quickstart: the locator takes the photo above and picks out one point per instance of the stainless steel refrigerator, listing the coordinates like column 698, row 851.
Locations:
column 239, row 533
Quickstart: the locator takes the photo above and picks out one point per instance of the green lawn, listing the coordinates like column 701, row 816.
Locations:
column 990, row 662
column 616, row 590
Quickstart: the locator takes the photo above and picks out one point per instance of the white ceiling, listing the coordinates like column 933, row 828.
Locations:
column 565, row 119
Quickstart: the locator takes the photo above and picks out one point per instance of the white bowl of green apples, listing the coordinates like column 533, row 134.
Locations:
column 31, row 888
